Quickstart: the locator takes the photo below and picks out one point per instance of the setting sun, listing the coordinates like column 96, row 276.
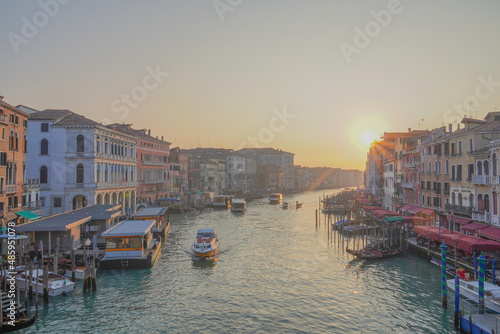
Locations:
column 368, row 137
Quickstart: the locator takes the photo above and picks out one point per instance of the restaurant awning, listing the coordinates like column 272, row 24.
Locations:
column 28, row 215
column 427, row 212
column 492, row 233
column 10, row 216
column 473, row 227
column 414, row 210
column 406, row 207
column 461, row 221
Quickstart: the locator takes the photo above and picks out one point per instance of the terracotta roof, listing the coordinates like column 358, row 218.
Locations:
column 12, row 108
column 50, row 114
column 75, row 119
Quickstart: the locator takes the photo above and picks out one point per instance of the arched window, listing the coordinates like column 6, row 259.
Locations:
column 494, row 164
column 79, row 173
column 446, row 167
column 43, row 174
column 80, row 144
column 486, row 166
column 486, row 203
column 479, row 168
column 453, row 198
column 460, row 199
column 471, row 200
column 98, row 173
column 480, row 203
column 98, row 144
column 44, row 147
column 106, row 145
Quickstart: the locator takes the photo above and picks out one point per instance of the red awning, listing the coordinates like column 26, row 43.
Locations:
column 486, row 245
column 473, row 227
column 427, row 212
column 396, row 205
column 450, row 238
column 414, row 209
column 492, row 233
column 406, row 207
column 432, row 232
column 461, row 221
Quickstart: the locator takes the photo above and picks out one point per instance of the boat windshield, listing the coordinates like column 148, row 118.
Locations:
column 205, row 235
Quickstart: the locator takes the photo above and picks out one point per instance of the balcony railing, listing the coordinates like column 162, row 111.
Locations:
column 114, row 157
column 480, row 179
column 153, row 163
column 481, row 216
column 33, row 205
column 11, row 189
column 408, row 185
column 466, row 210
column 32, row 183
column 410, row 165
column 112, row 185
column 154, row 181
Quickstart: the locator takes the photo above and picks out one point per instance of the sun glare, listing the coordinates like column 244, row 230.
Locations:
column 368, row 137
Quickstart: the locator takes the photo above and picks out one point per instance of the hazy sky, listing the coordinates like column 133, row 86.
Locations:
column 336, row 72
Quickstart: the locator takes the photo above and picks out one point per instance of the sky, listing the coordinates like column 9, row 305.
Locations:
column 320, row 79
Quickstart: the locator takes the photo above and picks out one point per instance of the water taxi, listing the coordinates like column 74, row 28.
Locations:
column 206, row 243
column 238, row 205
column 160, row 215
column 470, row 290
column 222, row 202
column 57, row 284
column 275, row 198
column 130, row 244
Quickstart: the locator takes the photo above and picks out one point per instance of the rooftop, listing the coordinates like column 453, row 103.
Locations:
column 130, row 228
column 149, row 212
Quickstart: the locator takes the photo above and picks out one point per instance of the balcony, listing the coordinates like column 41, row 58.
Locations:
column 113, row 157
column 481, row 216
column 153, row 163
column 459, row 209
column 480, row 180
column 113, row 185
column 32, row 183
column 408, row 185
column 33, row 205
column 446, row 191
column 3, row 119
column 410, row 165
column 12, row 189
column 154, row 181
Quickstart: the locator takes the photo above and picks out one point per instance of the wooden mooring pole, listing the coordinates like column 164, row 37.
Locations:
column 72, row 257
column 45, row 284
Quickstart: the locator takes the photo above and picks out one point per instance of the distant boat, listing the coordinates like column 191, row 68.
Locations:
column 371, row 254
column 206, row 243
column 238, row 205
column 298, row 205
column 222, row 202
column 284, row 205
column 275, row 198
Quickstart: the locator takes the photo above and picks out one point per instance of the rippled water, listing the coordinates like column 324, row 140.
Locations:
column 275, row 274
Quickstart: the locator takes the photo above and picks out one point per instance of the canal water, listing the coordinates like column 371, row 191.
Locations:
column 276, row 273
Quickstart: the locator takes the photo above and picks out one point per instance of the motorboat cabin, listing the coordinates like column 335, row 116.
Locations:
column 275, row 198
column 238, row 205
column 222, row 202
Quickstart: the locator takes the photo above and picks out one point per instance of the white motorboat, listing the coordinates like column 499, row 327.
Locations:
column 470, row 290
column 206, row 243
column 57, row 284
column 275, row 198
column 238, row 205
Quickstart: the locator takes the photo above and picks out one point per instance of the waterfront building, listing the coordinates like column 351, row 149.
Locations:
column 236, row 172
column 275, row 157
column 13, row 148
column 178, row 170
column 494, row 181
column 80, row 162
column 270, row 178
column 435, row 174
column 152, row 164
column 389, row 181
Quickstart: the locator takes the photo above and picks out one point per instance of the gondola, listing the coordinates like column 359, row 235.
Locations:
column 369, row 254
column 298, row 205
column 19, row 323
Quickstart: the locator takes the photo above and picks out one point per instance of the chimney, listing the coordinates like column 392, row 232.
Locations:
column 1, row 98
column 409, row 129
column 450, row 129
column 149, row 132
column 161, row 138
column 458, row 126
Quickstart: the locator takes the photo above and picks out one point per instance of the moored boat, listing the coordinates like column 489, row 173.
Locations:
column 206, row 243
column 57, row 284
column 470, row 290
column 298, row 205
column 275, row 198
column 238, row 205
column 222, row 202
column 373, row 254
column 284, row 205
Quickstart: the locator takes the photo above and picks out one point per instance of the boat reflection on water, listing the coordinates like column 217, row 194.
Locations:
column 207, row 262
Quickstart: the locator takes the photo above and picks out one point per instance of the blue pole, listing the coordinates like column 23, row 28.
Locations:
column 475, row 266
column 482, row 271
column 493, row 278
column 444, row 301
column 457, row 303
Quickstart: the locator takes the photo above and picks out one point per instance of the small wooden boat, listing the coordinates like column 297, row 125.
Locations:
column 372, row 254
column 206, row 243
column 19, row 323
column 298, row 205
column 57, row 284
column 284, row 205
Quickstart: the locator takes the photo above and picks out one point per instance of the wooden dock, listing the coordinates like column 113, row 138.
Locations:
column 480, row 323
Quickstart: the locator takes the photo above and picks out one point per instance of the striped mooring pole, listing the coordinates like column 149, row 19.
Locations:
column 475, row 266
column 482, row 272
column 456, row 321
column 444, row 300
column 493, row 268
